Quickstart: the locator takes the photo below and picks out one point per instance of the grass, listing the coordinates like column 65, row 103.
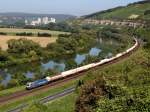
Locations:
column 43, row 41
column 64, row 103
column 10, row 91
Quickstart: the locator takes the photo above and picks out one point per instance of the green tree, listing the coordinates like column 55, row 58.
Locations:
column 23, row 46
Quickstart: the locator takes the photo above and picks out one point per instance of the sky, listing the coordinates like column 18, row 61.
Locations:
column 74, row 7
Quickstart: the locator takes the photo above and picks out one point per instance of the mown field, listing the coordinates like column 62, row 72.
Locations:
column 43, row 41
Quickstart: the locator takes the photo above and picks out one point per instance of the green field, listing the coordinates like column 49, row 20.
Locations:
column 10, row 91
column 12, row 31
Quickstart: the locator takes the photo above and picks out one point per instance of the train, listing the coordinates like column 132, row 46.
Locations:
column 47, row 80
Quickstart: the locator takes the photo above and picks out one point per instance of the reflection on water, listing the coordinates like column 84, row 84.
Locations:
column 6, row 79
column 53, row 65
column 79, row 58
column 29, row 75
column 94, row 51
column 110, row 54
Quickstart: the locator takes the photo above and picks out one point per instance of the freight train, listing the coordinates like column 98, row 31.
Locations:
column 41, row 82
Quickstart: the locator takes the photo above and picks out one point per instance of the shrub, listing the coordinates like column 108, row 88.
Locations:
column 2, row 33
column 44, row 35
column 24, row 34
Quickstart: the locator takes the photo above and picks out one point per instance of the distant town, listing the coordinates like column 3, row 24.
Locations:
column 40, row 21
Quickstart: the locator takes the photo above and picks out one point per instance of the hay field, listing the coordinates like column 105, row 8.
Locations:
column 43, row 41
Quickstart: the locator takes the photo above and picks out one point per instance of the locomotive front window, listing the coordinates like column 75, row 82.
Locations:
column 28, row 84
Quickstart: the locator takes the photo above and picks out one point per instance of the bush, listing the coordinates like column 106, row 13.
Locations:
column 2, row 33
column 44, row 35
column 12, row 83
column 64, row 35
column 147, row 12
column 24, row 34
column 90, row 93
column 23, row 46
column 2, row 87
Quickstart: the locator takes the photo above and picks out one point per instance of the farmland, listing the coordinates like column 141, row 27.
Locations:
column 43, row 41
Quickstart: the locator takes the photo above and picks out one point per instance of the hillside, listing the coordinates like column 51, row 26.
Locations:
column 136, row 10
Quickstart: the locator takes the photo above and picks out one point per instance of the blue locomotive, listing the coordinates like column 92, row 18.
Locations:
column 36, row 83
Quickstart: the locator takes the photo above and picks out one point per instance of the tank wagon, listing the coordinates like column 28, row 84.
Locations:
column 64, row 74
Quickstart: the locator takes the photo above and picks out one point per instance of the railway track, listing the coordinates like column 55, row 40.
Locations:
column 46, row 99
column 23, row 93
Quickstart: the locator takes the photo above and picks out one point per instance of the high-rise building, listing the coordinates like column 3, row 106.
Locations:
column 52, row 20
column 40, row 21
column 45, row 20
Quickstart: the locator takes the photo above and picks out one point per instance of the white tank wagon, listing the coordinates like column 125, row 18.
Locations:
column 77, row 70
column 133, row 47
column 80, row 69
column 70, row 72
